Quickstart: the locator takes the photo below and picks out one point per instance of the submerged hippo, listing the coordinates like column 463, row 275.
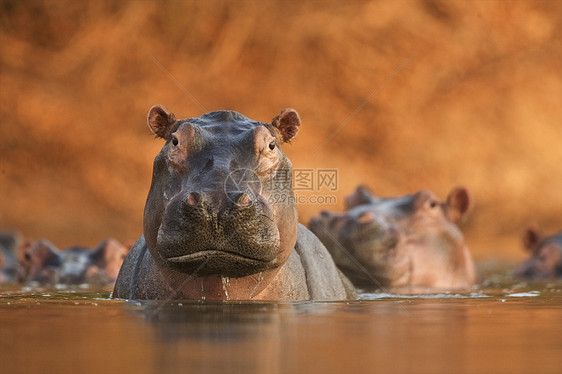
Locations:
column 10, row 269
column 407, row 244
column 45, row 264
column 546, row 255
column 211, row 230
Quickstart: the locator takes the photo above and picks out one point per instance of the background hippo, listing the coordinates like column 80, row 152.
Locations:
column 10, row 269
column 546, row 255
column 46, row 264
column 407, row 244
column 210, row 229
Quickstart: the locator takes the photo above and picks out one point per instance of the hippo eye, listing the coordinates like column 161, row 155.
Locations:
column 272, row 145
column 175, row 141
column 433, row 204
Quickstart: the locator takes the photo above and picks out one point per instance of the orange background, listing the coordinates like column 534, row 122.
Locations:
column 422, row 94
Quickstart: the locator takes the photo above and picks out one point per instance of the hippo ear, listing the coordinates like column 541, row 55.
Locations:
column 109, row 255
column 42, row 252
column 458, row 204
column 160, row 121
column 97, row 255
column 362, row 195
column 531, row 237
column 287, row 122
column 106, row 250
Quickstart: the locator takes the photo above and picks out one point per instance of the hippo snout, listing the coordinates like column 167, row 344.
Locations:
column 230, row 234
column 230, row 202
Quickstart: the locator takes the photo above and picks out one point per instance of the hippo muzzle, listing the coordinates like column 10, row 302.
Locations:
column 233, row 237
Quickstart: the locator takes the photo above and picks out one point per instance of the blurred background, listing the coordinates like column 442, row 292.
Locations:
column 398, row 95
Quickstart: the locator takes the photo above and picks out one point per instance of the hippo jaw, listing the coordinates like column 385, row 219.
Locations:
column 218, row 263
column 214, row 259
column 233, row 242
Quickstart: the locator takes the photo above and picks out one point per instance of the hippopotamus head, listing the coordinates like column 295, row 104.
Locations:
column 404, row 242
column 546, row 255
column 209, row 211
column 46, row 264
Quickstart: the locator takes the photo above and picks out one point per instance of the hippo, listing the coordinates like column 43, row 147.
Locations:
column 407, row 244
column 546, row 255
column 46, row 264
column 10, row 268
column 220, row 220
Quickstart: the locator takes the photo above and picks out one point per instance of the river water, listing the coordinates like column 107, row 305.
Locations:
column 501, row 327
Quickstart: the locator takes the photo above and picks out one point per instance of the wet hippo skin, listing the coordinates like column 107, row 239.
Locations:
column 407, row 244
column 211, row 231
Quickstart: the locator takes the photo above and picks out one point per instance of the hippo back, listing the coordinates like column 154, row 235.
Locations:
column 323, row 278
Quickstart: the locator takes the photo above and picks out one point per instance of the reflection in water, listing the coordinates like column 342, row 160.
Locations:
column 507, row 328
column 217, row 338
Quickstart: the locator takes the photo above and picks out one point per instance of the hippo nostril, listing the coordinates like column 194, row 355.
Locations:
column 193, row 199
column 325, row 213
column 243, row 200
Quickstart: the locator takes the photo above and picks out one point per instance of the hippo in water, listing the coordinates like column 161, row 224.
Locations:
column 546, row 255
column 45, row 264
column 10, row 269
column 407, row 244
column 213, row 227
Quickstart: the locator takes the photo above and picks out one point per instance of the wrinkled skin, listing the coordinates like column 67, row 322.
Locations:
column 546, row 256
column 210, row 229
column 10, row 269
column 408, row 244
column 45, row 264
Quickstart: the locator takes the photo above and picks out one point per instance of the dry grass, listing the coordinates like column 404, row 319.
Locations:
column 478, row 102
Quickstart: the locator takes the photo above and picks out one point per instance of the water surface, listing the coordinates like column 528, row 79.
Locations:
column 503, row 327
